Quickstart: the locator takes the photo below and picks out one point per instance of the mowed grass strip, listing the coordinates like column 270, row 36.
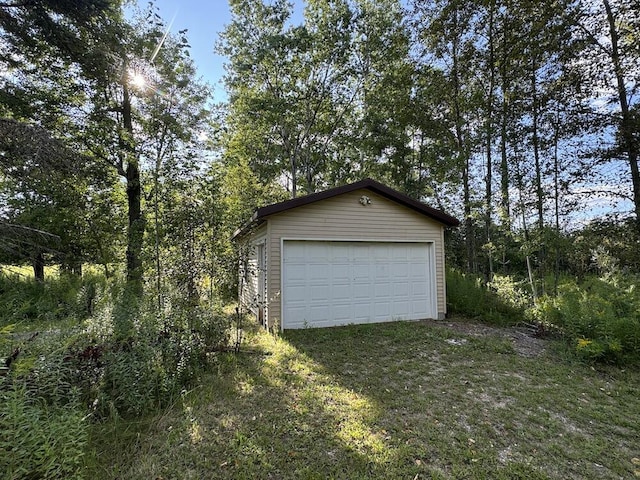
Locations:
column 399, row 400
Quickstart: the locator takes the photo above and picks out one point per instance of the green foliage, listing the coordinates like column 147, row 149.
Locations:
column 39, row 440
column 500, row 302
column 43, row 426
column 599, row 318
column 237, row 193
column 131, row 360
column 28, row 302
column 510, row 291
column 124, row 360
column 604, row 246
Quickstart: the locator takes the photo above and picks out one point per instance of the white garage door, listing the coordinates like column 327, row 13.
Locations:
column 337, row 283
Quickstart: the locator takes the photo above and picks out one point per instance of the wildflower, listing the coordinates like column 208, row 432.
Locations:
column 584, row 343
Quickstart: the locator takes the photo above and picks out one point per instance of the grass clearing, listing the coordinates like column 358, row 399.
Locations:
column 400, row 400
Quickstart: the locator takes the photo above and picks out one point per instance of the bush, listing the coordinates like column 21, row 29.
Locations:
column 132, row 360
column 600, row 318
column 134, row 381
column 501, row 302
column 125, row 359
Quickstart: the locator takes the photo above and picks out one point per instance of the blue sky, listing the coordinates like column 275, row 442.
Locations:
column 204, row 19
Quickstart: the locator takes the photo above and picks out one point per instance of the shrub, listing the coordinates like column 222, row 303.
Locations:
column 131, row 360
column 509, row 292
column 501, row 302
column 125, row 359
column 600, row 318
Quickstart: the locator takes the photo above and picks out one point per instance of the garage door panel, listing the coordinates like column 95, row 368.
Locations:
column 399, row 270
column 340, row 253
column 317, row 253
column 297, row 312
column 401, row 310
column 417, row 269
column 380, row 251
column 362, row 291
column 336, row 283
column 381, row 271
column 382, row 290
column 419, row 288
column 362, row 312
column 361, row 273
column 401, row 290
column 341, row 271
column 297, row 293
column 318, row 274
column 418, row 304
column 320, row 293
column 297, row 273
column 320, row 312
column 341, row 313
column 382, row 309
column 340, row 292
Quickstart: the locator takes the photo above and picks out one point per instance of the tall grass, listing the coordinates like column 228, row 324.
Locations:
column 99, row 353
column 501, row 302
column 30, row 304
column 598, row 317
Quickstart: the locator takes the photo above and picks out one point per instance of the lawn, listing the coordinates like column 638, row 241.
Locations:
column 399, row 400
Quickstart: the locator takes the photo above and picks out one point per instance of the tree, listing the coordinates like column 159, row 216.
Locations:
column 609, row 30
column 43, row 194
column 47, row 180
column 290, row 88
column 129, row 125
column 385, row 114
column 33, row 30
column 445, row 28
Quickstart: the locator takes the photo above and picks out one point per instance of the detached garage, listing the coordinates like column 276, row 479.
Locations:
column 360, row 253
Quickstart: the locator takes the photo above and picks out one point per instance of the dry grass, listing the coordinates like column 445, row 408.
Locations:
column 403, row 400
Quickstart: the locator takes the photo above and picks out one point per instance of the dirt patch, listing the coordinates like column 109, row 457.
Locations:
column 524, row 343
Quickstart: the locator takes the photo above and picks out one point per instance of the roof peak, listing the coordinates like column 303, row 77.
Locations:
column 261, row 213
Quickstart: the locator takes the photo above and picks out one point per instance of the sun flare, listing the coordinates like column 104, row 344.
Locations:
column 138, row 80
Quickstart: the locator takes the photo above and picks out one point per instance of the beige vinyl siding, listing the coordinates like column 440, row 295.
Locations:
column 344, row 218
column 248, row 288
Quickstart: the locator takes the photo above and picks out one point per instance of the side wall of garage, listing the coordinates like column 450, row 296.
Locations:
column 249, row 275
column 345, row 218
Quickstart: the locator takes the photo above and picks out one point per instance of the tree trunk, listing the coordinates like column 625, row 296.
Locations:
column 38, row 266
column 626, row 124
column 463, row 155
column 135, row 231
column 535, row 140
column 556, row 194
column 505, row 212
column 489, row 136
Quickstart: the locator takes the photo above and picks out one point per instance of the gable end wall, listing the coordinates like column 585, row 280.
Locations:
column 344, row 218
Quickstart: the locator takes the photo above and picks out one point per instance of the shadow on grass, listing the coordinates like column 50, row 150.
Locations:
column 402, row 400
column 273, row 415
column 452, row 405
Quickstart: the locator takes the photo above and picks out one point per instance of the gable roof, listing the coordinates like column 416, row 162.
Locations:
column 262, row 213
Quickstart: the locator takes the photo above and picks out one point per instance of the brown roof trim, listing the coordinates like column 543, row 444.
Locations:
column 261, row 213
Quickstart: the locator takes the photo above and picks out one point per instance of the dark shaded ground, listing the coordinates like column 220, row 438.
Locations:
column 523, row 340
